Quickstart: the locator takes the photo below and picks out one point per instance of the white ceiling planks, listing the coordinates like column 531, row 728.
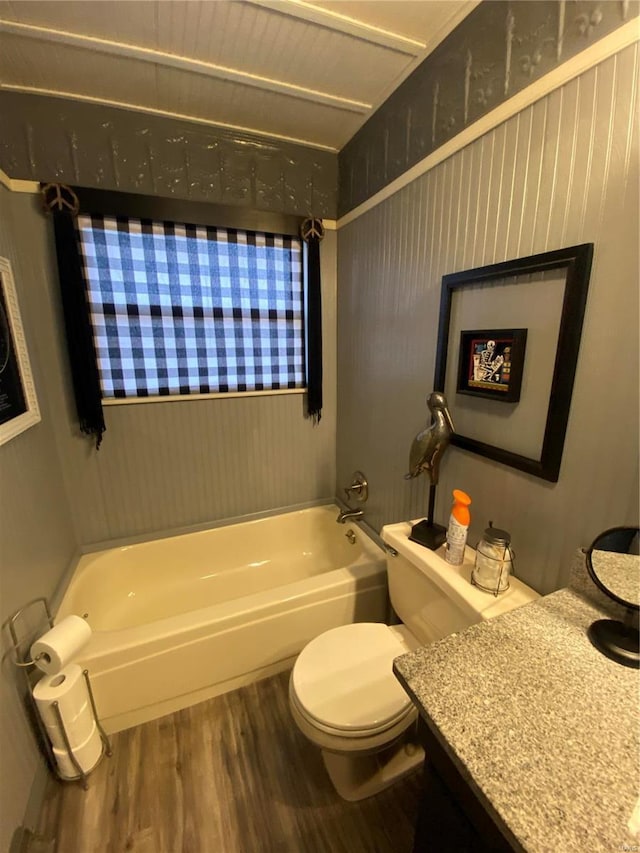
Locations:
column 308, row 71
column 116, row 19
column 225, row 103
column 25, row 62
column 414, row 20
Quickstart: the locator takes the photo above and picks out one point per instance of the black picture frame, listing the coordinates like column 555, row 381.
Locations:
column 491, row 363
column 576, row 262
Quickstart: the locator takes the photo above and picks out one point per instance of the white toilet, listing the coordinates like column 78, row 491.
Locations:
column 342, row 692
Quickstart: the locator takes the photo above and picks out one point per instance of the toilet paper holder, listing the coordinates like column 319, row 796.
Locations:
column 27, row 667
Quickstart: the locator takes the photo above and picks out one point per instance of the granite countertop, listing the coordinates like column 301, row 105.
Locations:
column 544, row 728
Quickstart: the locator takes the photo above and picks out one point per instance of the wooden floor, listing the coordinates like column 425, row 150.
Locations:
column 231, row 775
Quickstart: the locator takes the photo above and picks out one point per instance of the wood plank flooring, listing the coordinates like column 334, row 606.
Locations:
column 231, row 775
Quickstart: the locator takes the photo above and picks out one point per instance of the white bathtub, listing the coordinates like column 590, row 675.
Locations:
column 182, row 619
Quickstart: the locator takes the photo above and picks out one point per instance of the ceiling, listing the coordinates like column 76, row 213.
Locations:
column 311, row 72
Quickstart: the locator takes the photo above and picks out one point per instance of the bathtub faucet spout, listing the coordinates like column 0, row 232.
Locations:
column 349, row 515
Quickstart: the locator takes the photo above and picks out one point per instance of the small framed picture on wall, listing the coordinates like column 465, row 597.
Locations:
column 491, row 363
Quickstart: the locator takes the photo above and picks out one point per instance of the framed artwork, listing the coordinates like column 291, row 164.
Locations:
column 568, row 270
column 491, row 362
column 18, row 403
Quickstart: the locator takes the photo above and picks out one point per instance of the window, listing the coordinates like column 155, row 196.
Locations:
column 190, row 309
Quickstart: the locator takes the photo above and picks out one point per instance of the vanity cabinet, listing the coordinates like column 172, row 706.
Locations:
column 531, row 734
column 451, row 819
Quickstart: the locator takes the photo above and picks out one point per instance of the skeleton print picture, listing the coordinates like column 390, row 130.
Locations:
column 491, row 363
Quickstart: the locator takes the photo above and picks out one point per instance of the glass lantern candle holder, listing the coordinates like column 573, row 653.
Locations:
column 494, row 561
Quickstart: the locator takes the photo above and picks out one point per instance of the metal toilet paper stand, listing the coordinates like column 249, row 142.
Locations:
column 28, row 667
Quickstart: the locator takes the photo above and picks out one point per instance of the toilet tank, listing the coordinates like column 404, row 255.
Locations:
column 434, row 599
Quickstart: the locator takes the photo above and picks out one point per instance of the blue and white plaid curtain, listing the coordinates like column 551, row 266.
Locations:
column 180, row 309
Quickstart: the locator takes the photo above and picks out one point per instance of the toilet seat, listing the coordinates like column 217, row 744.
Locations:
column 343, row 683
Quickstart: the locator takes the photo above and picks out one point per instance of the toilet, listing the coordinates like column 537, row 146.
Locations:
column 343, row 694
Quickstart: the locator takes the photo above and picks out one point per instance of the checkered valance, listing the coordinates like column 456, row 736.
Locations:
column 181, row 309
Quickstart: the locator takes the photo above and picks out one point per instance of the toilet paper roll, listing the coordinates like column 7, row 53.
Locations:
column 77, row 730
column 87, row 755
column 53, row 651
column 68, row 688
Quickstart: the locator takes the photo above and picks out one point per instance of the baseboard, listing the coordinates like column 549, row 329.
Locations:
column 26, row 838
column 26, row 841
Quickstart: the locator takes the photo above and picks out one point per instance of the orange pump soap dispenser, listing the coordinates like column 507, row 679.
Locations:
column 458, row 528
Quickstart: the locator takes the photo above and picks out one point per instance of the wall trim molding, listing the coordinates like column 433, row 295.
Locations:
column 618, row 40
column 344, row 24
column 17, row 186
column 625, row 36
column 182, row 398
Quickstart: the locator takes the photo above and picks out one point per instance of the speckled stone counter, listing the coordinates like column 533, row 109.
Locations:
column 543, row 727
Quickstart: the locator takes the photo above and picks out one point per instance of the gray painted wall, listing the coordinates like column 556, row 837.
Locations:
column 36, row 533
column 89, row 145
column 499, row 49
column 562, row 172
column 168, row 465
column 161, row 466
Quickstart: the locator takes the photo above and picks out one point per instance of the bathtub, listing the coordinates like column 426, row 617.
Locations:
column 179, row 620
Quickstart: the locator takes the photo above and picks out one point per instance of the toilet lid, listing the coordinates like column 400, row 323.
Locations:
column 344, row 679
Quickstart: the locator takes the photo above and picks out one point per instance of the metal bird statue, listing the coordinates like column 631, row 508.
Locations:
column 429, row 445
column 426, row 452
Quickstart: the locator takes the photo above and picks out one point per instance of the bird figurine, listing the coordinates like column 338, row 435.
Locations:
column 429, row 445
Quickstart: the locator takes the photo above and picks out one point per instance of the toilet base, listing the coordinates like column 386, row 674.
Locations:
column 356, row 776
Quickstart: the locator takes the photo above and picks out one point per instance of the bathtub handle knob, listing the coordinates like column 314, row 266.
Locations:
column 359, row 487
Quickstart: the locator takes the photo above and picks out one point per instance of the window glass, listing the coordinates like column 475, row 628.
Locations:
column 182, row 309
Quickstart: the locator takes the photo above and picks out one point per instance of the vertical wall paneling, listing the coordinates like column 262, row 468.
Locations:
column 164, row 466
column 563, row 171
column 498, row 67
